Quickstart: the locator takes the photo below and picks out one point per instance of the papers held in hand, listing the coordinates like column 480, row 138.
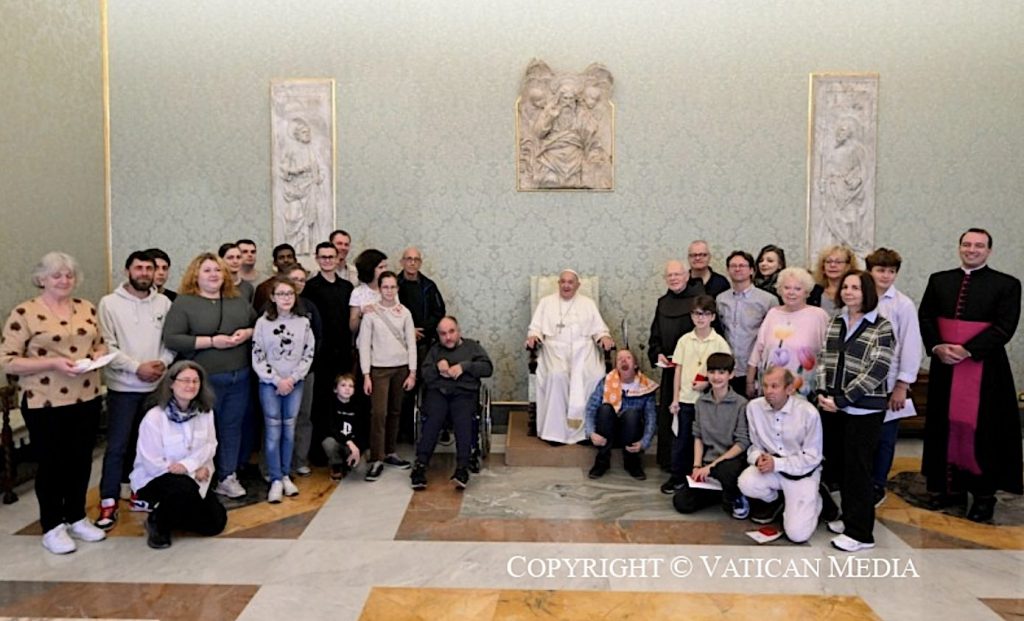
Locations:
column 708, row 483
column 86, row 364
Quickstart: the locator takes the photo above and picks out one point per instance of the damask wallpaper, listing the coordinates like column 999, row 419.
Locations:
column 51, row 143
column 711, row 135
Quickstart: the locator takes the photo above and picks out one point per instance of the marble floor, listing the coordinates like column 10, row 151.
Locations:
column 522, row 542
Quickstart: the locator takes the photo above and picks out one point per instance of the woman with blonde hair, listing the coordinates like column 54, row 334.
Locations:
column 791, row 335
column 833, row 262
column 48, row 343
column 211, row 323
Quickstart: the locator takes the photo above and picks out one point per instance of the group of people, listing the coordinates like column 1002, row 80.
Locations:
column 787, row 387
column 186, row 380
column 776, row 383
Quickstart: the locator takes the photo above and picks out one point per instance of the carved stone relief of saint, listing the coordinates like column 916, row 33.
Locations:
column 565, row 129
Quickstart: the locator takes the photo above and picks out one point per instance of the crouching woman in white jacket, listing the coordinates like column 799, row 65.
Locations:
column 174, row 458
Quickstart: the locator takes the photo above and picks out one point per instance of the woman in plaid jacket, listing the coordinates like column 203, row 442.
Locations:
column 852, row 396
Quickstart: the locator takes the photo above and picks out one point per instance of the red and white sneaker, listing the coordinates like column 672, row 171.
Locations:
column 108, row 517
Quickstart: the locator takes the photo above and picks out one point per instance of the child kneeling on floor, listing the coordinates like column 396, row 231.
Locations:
column 720, row 440
column 344, row 424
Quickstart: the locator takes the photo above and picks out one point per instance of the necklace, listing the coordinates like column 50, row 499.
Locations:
column 562, row 314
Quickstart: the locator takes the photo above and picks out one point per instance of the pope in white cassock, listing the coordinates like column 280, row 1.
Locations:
column 571, row 333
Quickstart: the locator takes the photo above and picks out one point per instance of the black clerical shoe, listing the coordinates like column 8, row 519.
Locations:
column 941, row 500
column 983, row 509
column 637, row 472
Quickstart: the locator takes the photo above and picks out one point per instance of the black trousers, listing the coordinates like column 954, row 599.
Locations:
column 860, row 439
column 727, row 472
column 62, row 438
column 177, row 505
column 437, row 408
column 620, row 430
column 666, row 397
column 833, row 431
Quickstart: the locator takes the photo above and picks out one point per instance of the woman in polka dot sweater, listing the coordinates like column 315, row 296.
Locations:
column 47, row 342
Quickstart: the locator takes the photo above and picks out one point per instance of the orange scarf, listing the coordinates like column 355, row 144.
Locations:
column 613, row 392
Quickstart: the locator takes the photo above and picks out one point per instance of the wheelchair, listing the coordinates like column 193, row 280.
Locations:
column 482, row 426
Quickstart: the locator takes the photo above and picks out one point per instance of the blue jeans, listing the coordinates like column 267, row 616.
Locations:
column 124, row 413
column 279, row 414
column 232, row 391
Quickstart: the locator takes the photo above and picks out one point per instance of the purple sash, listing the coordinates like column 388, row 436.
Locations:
column 964, row 395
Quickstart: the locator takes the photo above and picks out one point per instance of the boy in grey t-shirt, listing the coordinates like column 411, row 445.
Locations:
column 720, row 442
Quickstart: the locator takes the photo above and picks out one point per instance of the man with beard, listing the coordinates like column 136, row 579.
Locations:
column 132, row 322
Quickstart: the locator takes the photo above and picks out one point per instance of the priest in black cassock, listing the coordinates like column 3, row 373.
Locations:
column 671, row 321
column 972, row 427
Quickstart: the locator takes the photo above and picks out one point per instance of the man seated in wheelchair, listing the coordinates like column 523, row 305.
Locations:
column 451, row 372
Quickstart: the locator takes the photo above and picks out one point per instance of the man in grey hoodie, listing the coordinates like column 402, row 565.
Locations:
column 132, row 322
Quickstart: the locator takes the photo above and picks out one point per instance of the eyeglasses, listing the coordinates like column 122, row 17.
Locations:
column 699, row 255
column 836, row 261
column 326, row 258
column 191, row 381
column 413, row 259
column 701, row 314
column 284, row 294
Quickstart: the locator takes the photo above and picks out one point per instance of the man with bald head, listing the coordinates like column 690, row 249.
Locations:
column 571, row 333
column 699, row 254
column 451, row 371
column 671, row 321
column 423, row 299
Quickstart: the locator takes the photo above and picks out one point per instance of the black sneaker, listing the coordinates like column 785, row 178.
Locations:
column 474, row 462
column 154, row 537
column 673, row 485
column 460, row 478
column 374, row 471
column 598, row 470
column 637, row 472
column 419, row 476
column 830, row 511
column 397, row 462
column 762, row 512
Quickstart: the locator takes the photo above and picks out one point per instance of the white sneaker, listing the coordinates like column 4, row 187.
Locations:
column 84, row 530
column 303, row 471
column 289, row 487
column 274, row 495
column 836, row 526
column 57, row 541
column 230, row 487
column 849, row 544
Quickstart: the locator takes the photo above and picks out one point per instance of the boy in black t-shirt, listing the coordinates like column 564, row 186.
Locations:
column 345, row 424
